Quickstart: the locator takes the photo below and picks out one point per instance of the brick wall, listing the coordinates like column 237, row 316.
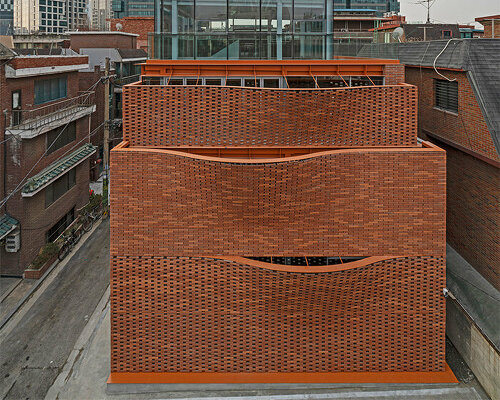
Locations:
column 467, row 128
column 102, row 40
column 228, row 116
column 394, row 74
column 473, row 212
column 40, row 61
column 351, row 202
column 193, row 314
column 138, row 25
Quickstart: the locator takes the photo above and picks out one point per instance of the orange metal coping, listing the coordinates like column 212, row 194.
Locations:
column 445, row 376
column 262, row 68
column 228, row 155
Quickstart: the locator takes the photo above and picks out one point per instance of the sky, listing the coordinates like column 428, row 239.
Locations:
column 451, row 11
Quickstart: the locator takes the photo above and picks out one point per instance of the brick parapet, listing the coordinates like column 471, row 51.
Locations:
column 47, row 61
column 231, row 116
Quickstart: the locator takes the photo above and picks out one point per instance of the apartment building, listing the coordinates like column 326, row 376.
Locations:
column 381, row 6
column 44, row 131
column 6, row 17
column 135, row 8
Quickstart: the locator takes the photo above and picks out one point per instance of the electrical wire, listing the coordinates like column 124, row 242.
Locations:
column 434, row 63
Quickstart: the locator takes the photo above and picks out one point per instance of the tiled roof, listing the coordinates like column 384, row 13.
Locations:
column 58, row 168
column 7, row 223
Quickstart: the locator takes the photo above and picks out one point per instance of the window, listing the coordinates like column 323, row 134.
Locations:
column 59, row 227
column 446, row 34
column 57, row 188
column 50, row 89
column 57, row 139
column 446, row 95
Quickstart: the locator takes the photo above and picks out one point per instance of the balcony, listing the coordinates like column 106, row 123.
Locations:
column 29, row 123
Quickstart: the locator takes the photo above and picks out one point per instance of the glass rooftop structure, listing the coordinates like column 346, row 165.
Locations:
column 243, row 29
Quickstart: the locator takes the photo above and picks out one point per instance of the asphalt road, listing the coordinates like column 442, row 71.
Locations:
column 36, row 349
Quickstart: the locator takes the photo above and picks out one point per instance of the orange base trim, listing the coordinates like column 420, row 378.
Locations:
column 445, row 376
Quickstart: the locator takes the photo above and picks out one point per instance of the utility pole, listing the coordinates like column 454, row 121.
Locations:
column 106, row 121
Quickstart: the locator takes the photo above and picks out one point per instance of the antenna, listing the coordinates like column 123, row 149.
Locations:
column 427, row 4
column 397, row 33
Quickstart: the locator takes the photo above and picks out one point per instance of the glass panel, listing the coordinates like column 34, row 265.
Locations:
column 185, row 16
column 193, row 81
column 213, row 82
column 244, row 46
column 244, row 15
column 271, row 83
column 211, row 46
column 308, row 46
column 233, row 82
column 301, row 82
column 175, row 82
column 252, row 82
column 331, row 81
column 211, row 15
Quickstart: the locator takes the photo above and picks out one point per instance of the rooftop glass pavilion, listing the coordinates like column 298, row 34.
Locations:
column 243, row 29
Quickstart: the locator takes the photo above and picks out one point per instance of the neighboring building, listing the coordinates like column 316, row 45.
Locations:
column 141, row 26
column 417, row 32
column 44, row 134
column 136, row 8
column 356, row 23
column 470, row 32
column 459, row 110
column 100, row 11
column 50, row 16
column 491, row 26
column 381, row 6
column 40, row 41
column 6, row 17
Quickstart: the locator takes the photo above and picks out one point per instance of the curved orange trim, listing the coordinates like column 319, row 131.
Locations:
column 426, row 147
column 445, row 376
column 307, row 269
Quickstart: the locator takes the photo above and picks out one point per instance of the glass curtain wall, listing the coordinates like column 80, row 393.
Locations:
column 243, row 29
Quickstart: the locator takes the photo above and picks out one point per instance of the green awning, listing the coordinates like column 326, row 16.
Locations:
column 58, row 168
column 7, row 225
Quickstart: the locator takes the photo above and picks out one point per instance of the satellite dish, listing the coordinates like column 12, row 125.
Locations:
column 397, row 33
column 119, row 26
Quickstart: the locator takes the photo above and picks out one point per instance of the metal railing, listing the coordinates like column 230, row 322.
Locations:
column 127, row 79
column 34, row 118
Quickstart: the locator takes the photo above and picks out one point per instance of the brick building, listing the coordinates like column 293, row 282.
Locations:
column 141, row 26
column 276, row 221
column 491, row 26
column 44, row 134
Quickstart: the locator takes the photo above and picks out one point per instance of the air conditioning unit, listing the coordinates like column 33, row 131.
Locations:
column 13, row 242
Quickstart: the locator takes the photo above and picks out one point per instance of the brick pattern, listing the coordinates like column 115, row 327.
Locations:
column 228, row 116
column 467, row 129
column 138, row 25
column 192, row 314
column 109, row 40
column 362, row 202
column 473, row 212
column 394, row 74
column 40, row 61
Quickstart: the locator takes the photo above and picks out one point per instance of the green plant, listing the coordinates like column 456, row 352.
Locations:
column 47, row 252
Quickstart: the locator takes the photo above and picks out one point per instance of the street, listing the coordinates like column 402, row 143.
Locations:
column 36, row 349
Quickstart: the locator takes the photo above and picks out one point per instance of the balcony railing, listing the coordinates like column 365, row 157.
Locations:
column 38, row 117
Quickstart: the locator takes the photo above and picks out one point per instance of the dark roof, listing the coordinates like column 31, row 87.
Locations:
column 7, row 225
column 132, row 53
column 415, row 32
column 40, row 52
column 480, row 58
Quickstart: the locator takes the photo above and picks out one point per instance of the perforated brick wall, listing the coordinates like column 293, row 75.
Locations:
column 358, row 202
column 192, row 314
column 228, row 116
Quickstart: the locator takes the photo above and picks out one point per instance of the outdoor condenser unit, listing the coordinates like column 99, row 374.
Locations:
column 13, row 242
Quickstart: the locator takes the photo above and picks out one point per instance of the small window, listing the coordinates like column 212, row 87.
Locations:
column 271, row 83
column 175, row 82
column 252, row 82
column 213, row 82
column 58, row 138
column 446, row 34
column 233, row 82
column 193, row 82
column 60, row 226
column 59, row 187
column 50, row 89
column 446, row 95
column 151, row 80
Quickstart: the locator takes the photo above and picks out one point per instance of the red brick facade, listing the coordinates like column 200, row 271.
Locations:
column 348, row 202
column 138, row 25
column 115, row 40
column 232, row 116
column 51, row 61
column 211, row 175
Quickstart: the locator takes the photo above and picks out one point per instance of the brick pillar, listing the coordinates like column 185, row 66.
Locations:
column 394, row 74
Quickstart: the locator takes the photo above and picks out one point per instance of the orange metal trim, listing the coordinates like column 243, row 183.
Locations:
column 445, row 376
column 307, row 269
column 426, row 147
column 257, row 68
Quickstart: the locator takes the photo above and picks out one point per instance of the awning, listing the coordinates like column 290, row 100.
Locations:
column 57, row 169
column 7, row 225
